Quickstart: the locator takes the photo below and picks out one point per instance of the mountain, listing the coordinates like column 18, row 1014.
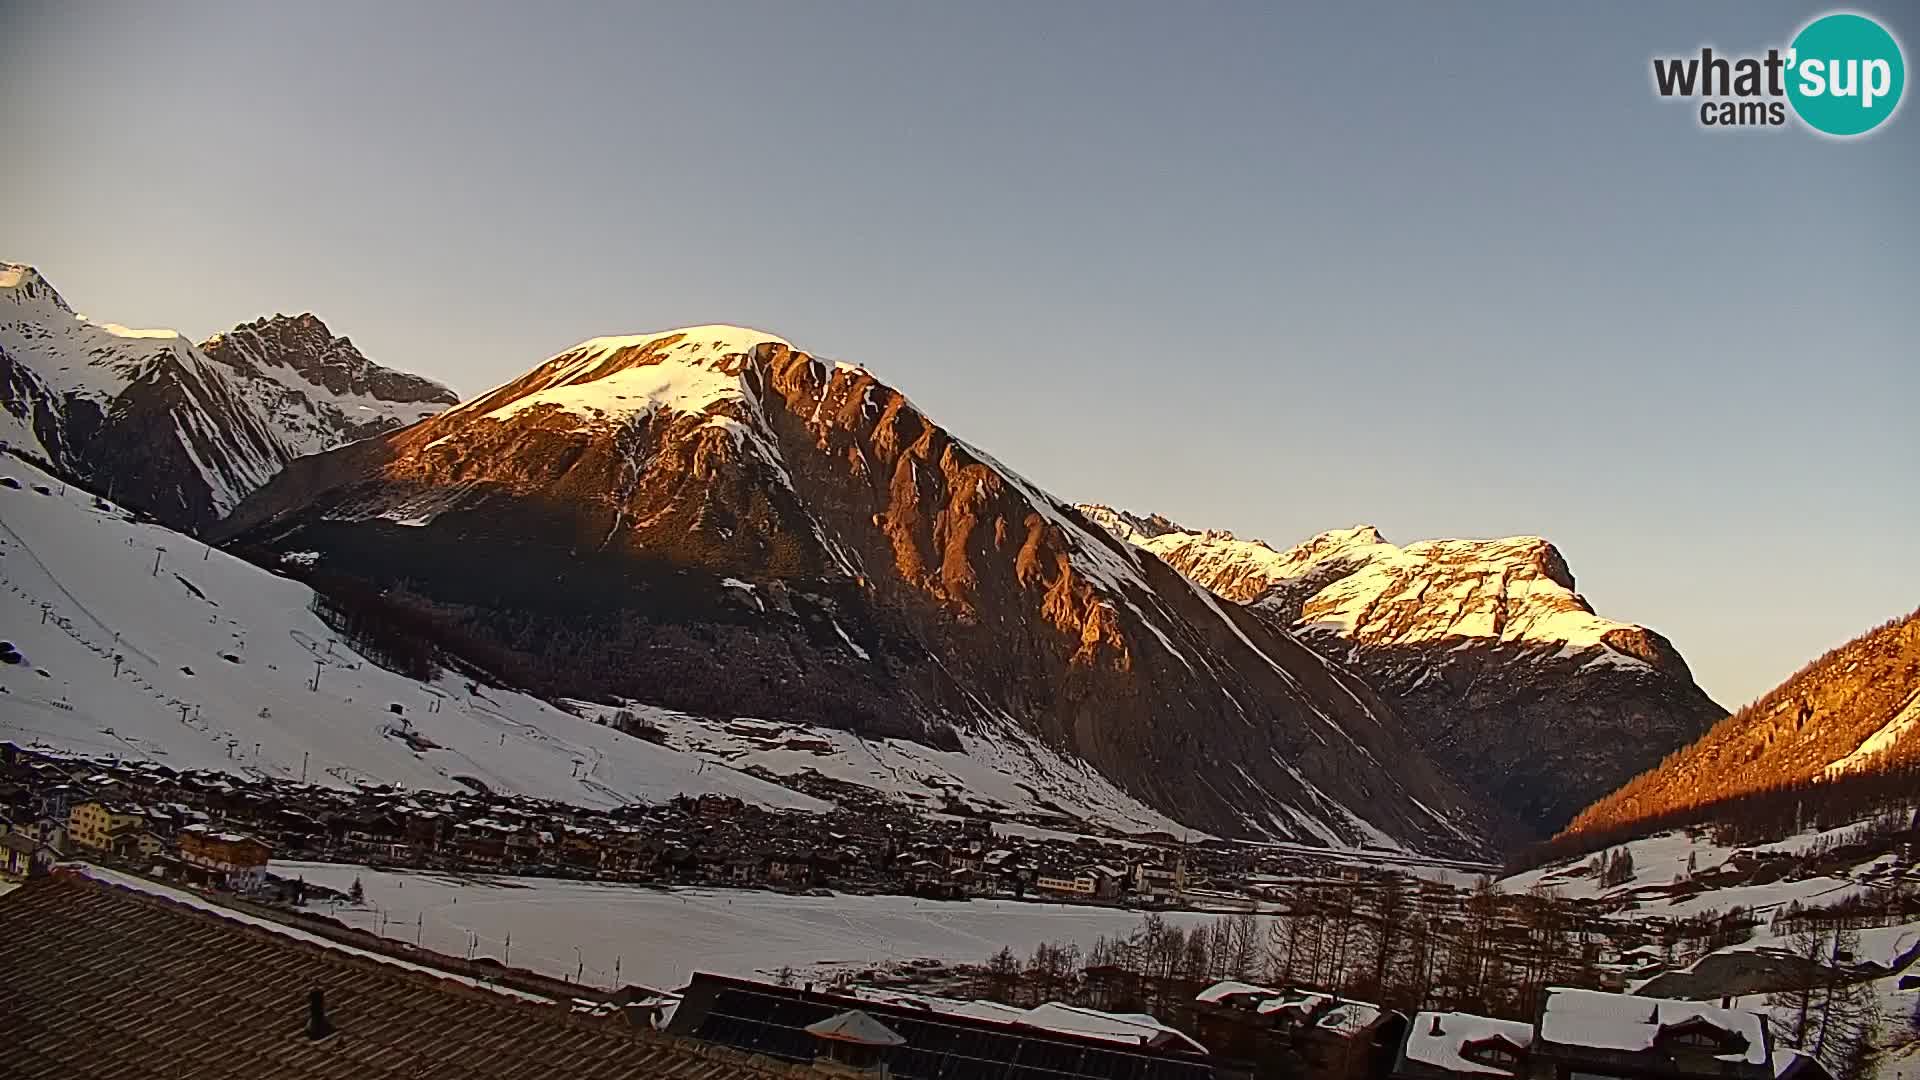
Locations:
column 179, row 431
column 318, row 389
column 1498, row 667
column 712, row 521
column 1854, row 710
column 1129, row 527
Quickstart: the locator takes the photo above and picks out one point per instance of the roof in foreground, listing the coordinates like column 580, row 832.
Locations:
column 772, row 1021
column 102, row 980
column 1621, row 1022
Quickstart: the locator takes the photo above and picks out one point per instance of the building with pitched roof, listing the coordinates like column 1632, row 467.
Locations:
column 107, row 975
column 938, row 1043
column 1591, row 1035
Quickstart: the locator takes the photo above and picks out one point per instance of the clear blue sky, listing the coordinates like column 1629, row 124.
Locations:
column 1448, row 269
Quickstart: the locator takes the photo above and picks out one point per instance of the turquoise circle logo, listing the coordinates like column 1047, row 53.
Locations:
column 1846, row 74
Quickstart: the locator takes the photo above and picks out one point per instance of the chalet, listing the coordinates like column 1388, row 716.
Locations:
column 1594, row 1032
column 481, row 841
column 135, row 842
column 1452, row 1045
column 236, row 861
column 1107, row 881
column 1583, row 1034
column 377, row 831
column 718, row 807
column 425, row 830
column 1297, row 1033
column 741, row 870
column 524, row 845
column 57, row 800
column 580, row 847
column 94, row 823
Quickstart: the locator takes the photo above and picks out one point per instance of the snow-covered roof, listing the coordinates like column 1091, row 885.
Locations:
column 1132, row 1029
column 1437, row 1038
column 1303, row 1002
column 1135, row 1028
column 1221, row 991
column 1603, row 1021
column 1349, row 1016
column 855, row 1026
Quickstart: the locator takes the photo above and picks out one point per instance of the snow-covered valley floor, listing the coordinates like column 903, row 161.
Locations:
column 659, row 936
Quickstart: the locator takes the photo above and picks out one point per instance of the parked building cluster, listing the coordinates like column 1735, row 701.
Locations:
column 58, row 805
column 55, row 808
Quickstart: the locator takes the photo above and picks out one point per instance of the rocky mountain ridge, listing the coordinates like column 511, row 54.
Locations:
column 714, row 521
column 1499, row 667
column 182, row 431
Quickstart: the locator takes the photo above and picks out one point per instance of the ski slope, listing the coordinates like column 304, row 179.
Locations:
column 218, row 666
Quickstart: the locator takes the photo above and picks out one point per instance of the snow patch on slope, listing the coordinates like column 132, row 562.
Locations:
column 1904, row 723
column 1000, row 768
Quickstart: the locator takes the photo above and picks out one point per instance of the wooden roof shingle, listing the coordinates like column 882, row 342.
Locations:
column 100, row 981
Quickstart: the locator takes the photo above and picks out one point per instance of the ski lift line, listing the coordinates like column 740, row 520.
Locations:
column 27, row 550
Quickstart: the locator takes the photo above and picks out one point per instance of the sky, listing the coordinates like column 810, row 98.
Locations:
column 1449, row 270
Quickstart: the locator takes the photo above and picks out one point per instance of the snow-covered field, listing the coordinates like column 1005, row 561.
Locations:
column 658, row 937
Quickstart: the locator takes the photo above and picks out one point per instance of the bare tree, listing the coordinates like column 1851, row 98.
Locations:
column 1002, row 976
column 1388, row 908
column 1243, row 948
column 1832, row 1014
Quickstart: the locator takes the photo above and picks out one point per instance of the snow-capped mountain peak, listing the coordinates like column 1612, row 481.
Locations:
column 1128, row 527
column 318, row 389
column 23, row 284
column 1483, row 646
column 612, row 379
column 180, row 431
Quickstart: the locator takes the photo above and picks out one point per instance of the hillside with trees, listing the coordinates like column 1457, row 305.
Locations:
column 1852, row 713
